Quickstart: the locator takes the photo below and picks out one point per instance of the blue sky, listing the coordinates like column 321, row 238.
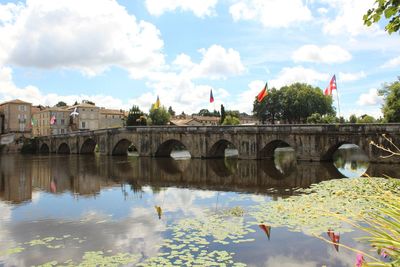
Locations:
column 120, row 53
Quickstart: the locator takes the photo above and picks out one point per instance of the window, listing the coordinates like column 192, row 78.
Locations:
column 83, row 125
column 62, row 121
column 62, row 131
column 22, row 108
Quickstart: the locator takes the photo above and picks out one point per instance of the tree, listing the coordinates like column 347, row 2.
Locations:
column 89, row 102
column 61, row 104
column 293, row 104
column 231, row 120
column 171, row 111
column 353, row 118
column 270, row 108
column 222, row 114
column 76, row 103
column 159, row 116
column 366, row 119
column 390, row 9
column 391, row 106
column 204, row 112
column 135, row 117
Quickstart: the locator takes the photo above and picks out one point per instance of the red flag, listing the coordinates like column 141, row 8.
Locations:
column 211, row 97
column 331, row 86
column 263, row 93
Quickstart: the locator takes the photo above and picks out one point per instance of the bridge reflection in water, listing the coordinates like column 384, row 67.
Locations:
column 87, row 175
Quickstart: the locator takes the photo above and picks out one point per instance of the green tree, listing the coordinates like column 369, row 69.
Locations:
column 293, row 104
column 390, row 9
column 159, row 116
column 135, row 117
column 76, row 103
column 314, row 118
column 366, row 119
column 223, row 115
column 231, row 120
column 353, row 118
column 61, row 104
column 391, row 106
column 89, row 102
column 171, row 111
column 270, row 108
column 204, row 112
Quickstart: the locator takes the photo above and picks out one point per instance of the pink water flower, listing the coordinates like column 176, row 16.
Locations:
column 360, row 260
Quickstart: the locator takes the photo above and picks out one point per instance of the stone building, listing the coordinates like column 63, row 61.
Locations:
column 17, row 117
column 88, row 118
column 111, row 118
column 43, row 124
column 207, row 120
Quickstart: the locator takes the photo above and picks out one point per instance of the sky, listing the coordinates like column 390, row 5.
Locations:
column 119, row 53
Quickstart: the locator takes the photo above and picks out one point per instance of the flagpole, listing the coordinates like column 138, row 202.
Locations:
column 337, row 95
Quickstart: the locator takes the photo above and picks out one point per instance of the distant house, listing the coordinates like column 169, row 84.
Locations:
column 50, row 121
column 207, row 120
column 111, row 118
column 248, row 120
column 88, row 118
column 185, row 122
column 16, row 117
column 194, row 120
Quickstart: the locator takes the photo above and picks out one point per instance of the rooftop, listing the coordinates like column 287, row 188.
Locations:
column 15, row 101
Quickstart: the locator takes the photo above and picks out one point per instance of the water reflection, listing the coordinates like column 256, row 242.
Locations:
column 125, row 205
column 87, row 175
column 351, row 161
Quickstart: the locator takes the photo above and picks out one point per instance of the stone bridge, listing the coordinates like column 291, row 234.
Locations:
column 311, row 142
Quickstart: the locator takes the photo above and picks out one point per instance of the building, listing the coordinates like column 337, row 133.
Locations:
column 17, row 117
column 51, row 121
column 207, row 120
column 248, row 120
column 185, row 122
column 87, row 119
column 111, row 118
column 1, row 122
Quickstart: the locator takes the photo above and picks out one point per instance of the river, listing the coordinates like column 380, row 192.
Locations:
column 67, row 210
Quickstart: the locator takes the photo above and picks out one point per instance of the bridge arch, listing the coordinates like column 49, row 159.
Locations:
column 88, row 146
column 63, row 149
column 268, row 151
column 328, row 155
column 218, row 149
column 164, row 150
column 44, row 149
column 122, row 146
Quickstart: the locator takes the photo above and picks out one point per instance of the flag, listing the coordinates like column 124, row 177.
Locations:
column 74, row 113
column 263, row 93
column 211, row 97
column 33, row 122
column 157, row 104
column 53, row 120
column 266, row 229
column 331, row 86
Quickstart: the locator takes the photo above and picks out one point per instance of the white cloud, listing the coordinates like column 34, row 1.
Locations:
column 89, row 36
column 371, row 98
column 289, row 76
column 348, row 77
column 218, row 63
column 324, row 54
column 199, row 8
column 271, row 13
column 393, row 63
column 349, row 18
column 32, row 94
